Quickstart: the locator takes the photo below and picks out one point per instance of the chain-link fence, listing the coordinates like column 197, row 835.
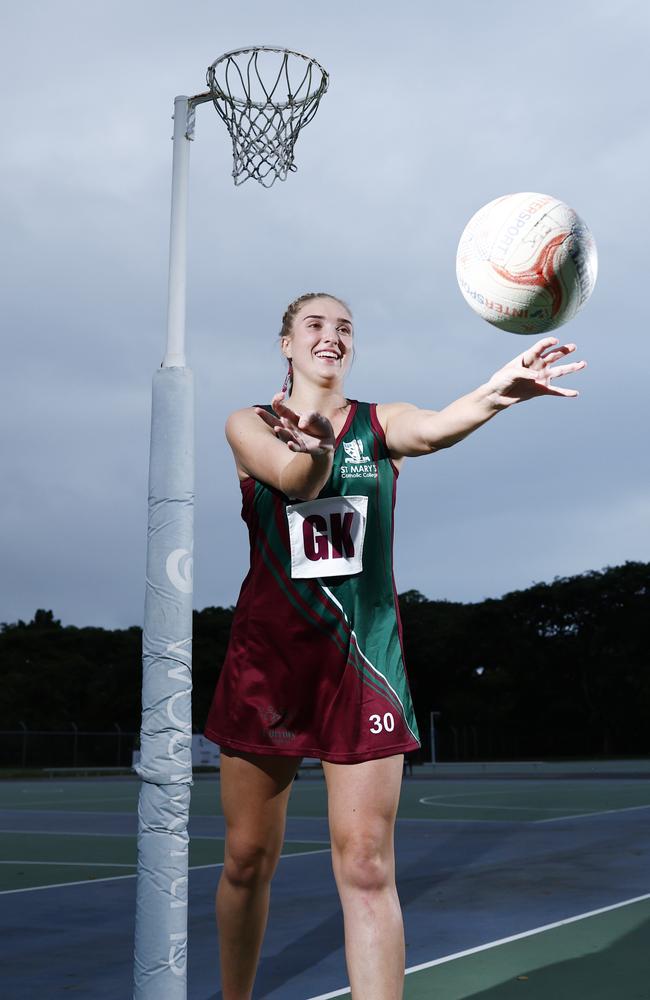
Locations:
column 506, row 741
column 73, row 747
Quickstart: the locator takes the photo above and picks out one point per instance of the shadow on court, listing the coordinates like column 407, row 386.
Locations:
column 572, row 962
column 309, row 951
column 618, row 971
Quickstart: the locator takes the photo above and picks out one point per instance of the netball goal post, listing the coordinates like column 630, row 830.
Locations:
column 265, row 96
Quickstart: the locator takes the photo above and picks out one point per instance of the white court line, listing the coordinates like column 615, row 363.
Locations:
column 296, row 854
column 601, row 812
column 458, row 819
column 193, row 837
column 90, row 798
column 429, row 801
column 77, row 833
column 116, row 878
column 69, row 812
column 88, row 833
column 72, row 864
column 495, row 944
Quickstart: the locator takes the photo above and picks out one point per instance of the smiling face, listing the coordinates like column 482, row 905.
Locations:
column 320, row 342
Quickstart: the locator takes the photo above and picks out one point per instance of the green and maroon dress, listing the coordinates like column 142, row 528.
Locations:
column 315, row 664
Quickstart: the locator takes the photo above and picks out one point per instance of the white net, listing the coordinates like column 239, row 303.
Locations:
column 265, row 96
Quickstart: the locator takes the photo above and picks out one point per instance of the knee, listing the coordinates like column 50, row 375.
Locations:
column 248, row 863
column 364, row 862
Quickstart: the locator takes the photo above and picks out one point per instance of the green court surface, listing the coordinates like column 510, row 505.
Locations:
column 603, row 956
column 523, row 800
column 35, row 859
column 71, row 795
column 485, row 798
column 490, row 799
column 533, row 884
column 41, row 858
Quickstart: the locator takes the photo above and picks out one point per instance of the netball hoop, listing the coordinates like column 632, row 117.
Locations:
column 265, row 96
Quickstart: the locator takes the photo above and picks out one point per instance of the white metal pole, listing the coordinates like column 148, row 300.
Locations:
column 160, row 952
column 433, row 737
column 175, row 354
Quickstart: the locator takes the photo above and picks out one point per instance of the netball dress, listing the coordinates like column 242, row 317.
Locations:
column 315, row 664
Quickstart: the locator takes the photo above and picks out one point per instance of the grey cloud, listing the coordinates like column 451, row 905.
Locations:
column 431, row 112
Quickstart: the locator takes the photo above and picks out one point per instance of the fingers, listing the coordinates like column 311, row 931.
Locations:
column 547, row 344
column 544, row 379
column 542, row 356
column 283, row 411
column 575, row 366
column 552, row 390
column 283, row 427
column 309, row 419
column 283, row 433
column 535, row 352
column 559, row 352
column 268, row 418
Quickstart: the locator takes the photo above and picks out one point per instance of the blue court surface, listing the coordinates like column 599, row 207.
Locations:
column 529, row 881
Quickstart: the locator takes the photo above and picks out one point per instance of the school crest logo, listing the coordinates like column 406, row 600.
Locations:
column 354, row 451
column 357, row 465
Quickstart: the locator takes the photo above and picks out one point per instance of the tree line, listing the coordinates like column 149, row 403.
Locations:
column 558, row 669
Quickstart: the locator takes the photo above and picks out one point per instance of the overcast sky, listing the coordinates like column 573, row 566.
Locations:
column 433, row 110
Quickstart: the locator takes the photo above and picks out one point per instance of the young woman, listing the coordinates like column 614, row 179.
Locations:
column 314, row 665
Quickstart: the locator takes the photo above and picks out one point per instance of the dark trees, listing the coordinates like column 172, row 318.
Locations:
column 560, row 668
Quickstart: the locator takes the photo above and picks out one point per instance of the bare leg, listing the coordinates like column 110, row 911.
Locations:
column 254, row 796
column 363, row 800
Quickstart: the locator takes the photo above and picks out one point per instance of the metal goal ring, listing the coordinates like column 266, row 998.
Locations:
column 218, row 93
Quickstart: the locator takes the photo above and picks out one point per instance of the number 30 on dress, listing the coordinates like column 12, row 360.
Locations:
column 380, row 725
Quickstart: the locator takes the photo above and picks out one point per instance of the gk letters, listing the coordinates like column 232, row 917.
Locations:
column 327, row 536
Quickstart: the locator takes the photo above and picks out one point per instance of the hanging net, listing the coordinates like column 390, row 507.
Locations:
column 265, row 96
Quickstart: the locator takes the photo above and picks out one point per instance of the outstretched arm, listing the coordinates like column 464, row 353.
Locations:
column 413, row 431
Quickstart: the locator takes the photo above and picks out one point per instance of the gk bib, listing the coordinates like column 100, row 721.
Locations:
column 326, row 536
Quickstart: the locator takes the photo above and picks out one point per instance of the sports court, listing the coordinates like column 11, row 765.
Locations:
column 517, row 880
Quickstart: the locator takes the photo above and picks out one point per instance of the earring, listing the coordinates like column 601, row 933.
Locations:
column 288, row 381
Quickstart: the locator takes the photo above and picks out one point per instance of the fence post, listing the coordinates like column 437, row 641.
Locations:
column 119, row 743
column 74, row 743
column 432, row 717
column 23, row 756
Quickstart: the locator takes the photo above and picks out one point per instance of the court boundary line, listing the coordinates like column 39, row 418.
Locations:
column 72, row 812
column 117, row 878
column 600, row 812
column 427, row 801
column 501, row 941
column 71, row 864
column 430, row 800
column 194, row 836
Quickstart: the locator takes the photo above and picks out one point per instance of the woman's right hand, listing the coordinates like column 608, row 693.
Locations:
column 310, row 433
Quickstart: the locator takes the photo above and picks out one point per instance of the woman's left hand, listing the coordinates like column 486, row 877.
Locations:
column 311, row 433
column 530, row 374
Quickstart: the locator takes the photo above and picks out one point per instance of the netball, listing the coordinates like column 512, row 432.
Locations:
column 526, row 263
